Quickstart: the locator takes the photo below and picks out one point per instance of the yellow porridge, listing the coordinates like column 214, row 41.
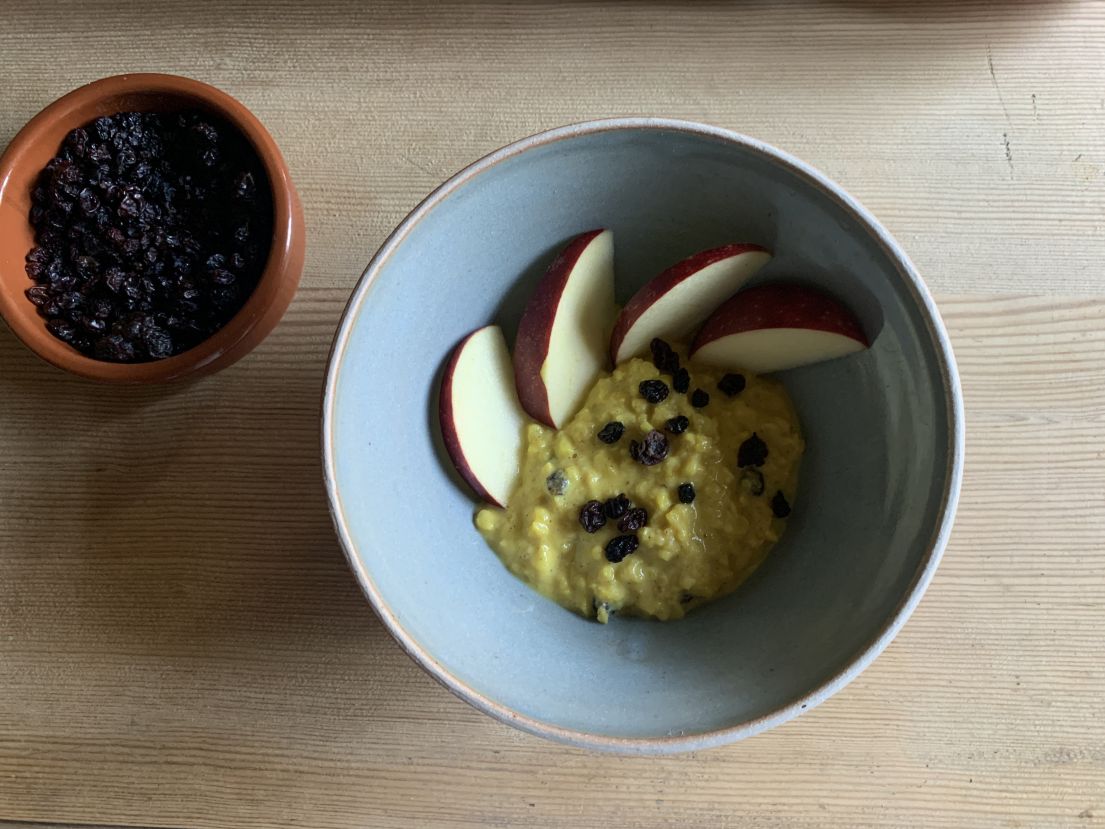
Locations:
column 715, row 479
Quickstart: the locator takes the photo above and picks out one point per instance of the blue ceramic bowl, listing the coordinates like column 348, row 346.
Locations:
column 879, row 481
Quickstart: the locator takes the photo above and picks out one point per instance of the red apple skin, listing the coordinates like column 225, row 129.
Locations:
column 780, row 306
column 449, row 427
column 531, row 346
column 660, row 285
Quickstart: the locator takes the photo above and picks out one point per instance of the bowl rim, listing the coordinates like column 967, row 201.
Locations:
column 953, row 402
column 261, row 311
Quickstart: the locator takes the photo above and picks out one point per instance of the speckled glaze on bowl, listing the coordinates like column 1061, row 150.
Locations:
column 39, row 141
column 880, row 479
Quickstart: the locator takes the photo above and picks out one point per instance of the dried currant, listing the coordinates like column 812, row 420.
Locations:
column 556, row 483
column 612, row 431
column 686, row 493
column 663, row 357
column 39, row 295
column 681, row 381
column 633, row 520
column 678, row 424
column 699, row 398
column 654, row 391
column 616, row 507
column 779, row 505
column 651, row 450
column 620, row 546
column 591, row 516
column 752, row 452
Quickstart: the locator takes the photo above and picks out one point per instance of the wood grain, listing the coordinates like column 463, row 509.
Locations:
column 180, row 641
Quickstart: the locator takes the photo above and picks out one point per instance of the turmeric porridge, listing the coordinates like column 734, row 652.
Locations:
column 664, row 491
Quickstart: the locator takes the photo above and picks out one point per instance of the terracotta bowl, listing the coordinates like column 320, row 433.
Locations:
column 40, row 140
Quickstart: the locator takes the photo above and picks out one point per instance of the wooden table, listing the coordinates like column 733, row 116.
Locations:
column 181, row 643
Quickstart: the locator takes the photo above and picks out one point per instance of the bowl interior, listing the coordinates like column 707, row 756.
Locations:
column 873, row 481
column 40, row 141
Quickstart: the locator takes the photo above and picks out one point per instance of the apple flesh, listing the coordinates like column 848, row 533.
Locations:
column 778, row 327
column 481, row 420
column 561, row 345
column 674, row 303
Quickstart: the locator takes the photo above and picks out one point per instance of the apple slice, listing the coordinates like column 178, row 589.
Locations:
column 776, row 327
column 481, row 419
column 561, row 345
column 679, row 299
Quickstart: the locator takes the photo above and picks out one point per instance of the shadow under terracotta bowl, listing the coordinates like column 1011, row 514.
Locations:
column 40, row 140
